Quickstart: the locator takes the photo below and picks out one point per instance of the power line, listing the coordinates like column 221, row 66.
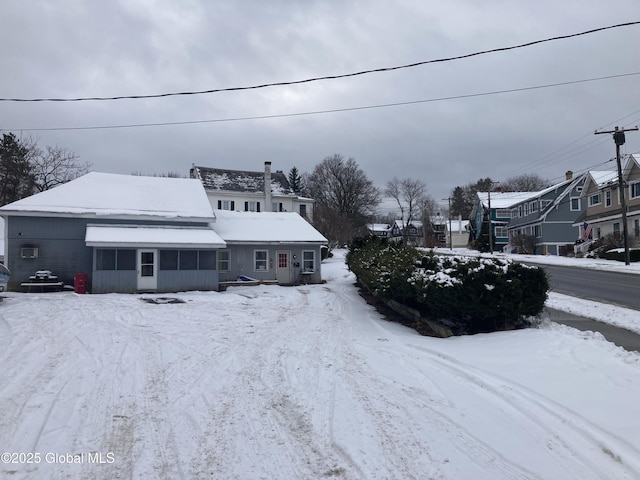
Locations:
column 321, row 112
column 328, row 77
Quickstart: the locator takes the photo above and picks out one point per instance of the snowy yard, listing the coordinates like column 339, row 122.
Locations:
column 302, row 382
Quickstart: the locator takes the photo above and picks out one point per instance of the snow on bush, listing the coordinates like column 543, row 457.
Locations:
column 468, row 294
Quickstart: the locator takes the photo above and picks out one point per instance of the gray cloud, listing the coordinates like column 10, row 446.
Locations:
column 94, row 48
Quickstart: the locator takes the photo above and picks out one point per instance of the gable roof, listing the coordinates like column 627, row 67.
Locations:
column 120, row 196
column 242, row 181
column 504, row 199
column 265, row 227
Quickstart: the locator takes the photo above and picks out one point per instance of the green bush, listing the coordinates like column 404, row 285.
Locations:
column 469, row 295
column 618, row 254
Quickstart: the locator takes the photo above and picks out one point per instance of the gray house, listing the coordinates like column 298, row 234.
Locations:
column 280, row 247
column 126, row 233
column 544, row 222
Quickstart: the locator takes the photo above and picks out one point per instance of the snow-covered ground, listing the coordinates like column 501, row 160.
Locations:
column 303, row 382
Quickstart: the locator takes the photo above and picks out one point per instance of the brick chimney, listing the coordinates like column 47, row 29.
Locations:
column 267, row 186
column 568, row 175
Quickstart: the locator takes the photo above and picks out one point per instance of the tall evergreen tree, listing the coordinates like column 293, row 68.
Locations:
column 17, row 179
column 295, row 180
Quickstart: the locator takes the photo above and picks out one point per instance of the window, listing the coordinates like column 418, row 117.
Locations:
column 226, row 205
column 168, row 259
column 501, row 231
column 503, row 213
column 223, row 260
column 544, row 204
column 636, row 227
column 277, row 207
column 188, row 260
column 251, row 206
column 616, row 229
column 533, row 207
column 206, row 260
column 303, row 210
column 514, row 213
column 260, row 260
column 607, row 198
column 575, row 204
column 29, row 252
column 536, row 231
column 112, row 259
column 634, row 190
column 595, row 199
column 308, row 261
column 105, row 259
column 526, row 209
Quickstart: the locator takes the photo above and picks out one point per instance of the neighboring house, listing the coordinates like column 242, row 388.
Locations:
column 603, row 206
column 544, row 223
column 133, row 233
column 459, row 232
column 242, row 191
column 382, row 230
column 412, row 232
column 269, row 246
column 499, row 214
column 126, row 233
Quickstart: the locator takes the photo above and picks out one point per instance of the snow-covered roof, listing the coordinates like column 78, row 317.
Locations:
column 108, row 194
column 603, row 177
column 242, row 181
column 151, row 237
column 265, row 227
column 379, row 227
column 505, row 199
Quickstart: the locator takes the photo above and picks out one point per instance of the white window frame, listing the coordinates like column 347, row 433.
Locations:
column 537, row 231
column 503, row 213
column 595, row 199
column 544, row 204
column 305, row 261
column 222, row 260
column 576, row 199
column 533, row 207
column 258, row 262
column 503, row 231
column 514, row 213
column 634, row 190
column 607, row 198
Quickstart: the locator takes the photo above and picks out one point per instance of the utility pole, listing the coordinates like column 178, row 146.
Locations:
column 490, row 219
column 619, row 139
column 450, row 238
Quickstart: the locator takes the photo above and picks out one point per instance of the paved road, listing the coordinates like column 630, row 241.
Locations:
column 621, row 289
column 620, row 336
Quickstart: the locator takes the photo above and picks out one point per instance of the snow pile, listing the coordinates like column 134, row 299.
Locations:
column 302, row 382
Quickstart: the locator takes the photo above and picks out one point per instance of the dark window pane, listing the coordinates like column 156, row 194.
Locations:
column 206, row 260
column 105, row 259
column 147, row 270
column 126, row 260
column 188, row 259
column 168, row 259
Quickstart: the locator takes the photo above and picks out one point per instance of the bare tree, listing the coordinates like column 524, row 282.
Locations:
column 54, row 166
column 527, row 182
column 410, row 195
column 344, row 198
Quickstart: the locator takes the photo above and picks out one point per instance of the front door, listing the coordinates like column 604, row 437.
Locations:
column 283, row 267
column 147, row 266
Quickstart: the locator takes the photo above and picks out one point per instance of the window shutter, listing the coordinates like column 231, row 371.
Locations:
column 257, row 206
column 219, row 204
column 246, row 206
column 233, row 205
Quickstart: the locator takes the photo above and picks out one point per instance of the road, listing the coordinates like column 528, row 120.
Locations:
column 620, row 289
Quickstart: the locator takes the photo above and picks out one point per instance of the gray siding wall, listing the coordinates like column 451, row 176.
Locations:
column 61, row 249
column 241, row 260
column 60, row 243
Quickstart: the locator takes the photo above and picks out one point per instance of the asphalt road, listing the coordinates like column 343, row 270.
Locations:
column 616, row 288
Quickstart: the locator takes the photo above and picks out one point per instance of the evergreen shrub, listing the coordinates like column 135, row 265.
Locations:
column 468, row 294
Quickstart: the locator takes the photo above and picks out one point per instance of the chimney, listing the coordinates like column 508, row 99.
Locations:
column 569, row 175
column 267, row 187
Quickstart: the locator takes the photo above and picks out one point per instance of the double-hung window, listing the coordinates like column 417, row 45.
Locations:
column 308, row 261
column 634, row 190
column 223, row 260
column 260, row 260
column 607, row 198
column 575, row 204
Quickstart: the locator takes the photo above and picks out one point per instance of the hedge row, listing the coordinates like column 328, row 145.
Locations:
column 470, row 295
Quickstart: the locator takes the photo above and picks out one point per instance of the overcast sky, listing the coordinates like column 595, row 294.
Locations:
column 69, row 49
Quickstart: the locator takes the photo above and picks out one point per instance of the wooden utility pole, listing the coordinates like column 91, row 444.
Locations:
column 619, row 139
column 450, row 237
